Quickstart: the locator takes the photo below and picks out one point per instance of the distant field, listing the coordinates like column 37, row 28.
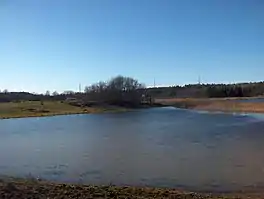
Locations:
column 47, row 108
column 215, row 104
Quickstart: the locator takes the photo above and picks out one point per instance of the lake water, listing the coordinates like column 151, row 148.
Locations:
column 155, row 147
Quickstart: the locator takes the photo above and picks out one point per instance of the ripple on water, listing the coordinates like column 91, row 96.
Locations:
column 154, row 147
column 54, row 173
column 90, row 172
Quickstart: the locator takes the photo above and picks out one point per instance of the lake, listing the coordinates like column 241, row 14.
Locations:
column 164, row 147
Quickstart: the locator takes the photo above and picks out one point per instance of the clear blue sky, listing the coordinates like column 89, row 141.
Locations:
column 57, row 44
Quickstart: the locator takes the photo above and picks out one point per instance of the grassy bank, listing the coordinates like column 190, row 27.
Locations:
column 216, row 104
column 48, row 108
column 21, row 188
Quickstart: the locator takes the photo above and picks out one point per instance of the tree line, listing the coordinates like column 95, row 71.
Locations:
column 209, row 90
column 120, row 90
column 126, row 90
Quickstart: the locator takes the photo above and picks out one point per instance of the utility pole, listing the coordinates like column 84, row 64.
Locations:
column 80, row 88
column 199, row 80
column 154, row 83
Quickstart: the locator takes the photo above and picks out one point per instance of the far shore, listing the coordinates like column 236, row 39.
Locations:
column 33, row 188
column 27, row 109
column 49, row 108
column 53, row 108
column 215, row 104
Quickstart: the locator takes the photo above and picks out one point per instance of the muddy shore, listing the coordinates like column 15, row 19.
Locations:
column 30, row 188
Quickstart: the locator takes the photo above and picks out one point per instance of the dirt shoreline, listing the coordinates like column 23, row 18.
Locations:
column 65, row 113
column 29, row 188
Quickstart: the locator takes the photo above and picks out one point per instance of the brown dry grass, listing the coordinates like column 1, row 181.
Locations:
column 215, row 104
column 21, row 189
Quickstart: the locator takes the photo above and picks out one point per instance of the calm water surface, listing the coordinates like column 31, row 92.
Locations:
column 155, row 147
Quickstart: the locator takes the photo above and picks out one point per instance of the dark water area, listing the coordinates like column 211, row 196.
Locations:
column 164, row 147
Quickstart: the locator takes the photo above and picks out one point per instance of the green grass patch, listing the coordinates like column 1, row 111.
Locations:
column 47, row 108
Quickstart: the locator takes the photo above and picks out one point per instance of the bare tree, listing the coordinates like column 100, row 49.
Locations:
column 118, row 90
column 55, row 93
column 47, row 93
